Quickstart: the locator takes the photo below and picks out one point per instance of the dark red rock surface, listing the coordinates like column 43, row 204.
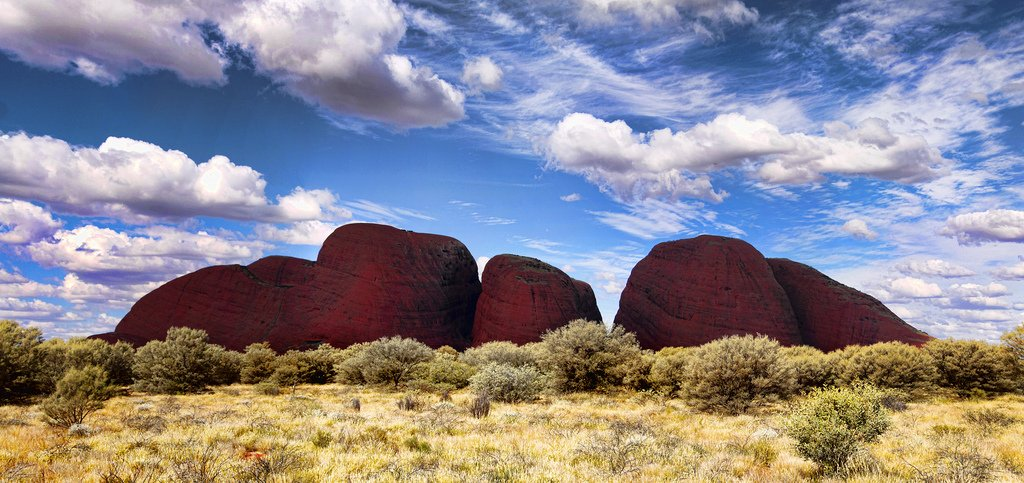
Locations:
column 369, row 281
column 833, row 316
column 524, row 297
column 688, row 292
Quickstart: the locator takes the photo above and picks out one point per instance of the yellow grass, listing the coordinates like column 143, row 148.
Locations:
column 238, row 433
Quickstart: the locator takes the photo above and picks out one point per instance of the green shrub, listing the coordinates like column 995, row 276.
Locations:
column 736, row 373
column 227, row 366
column 315, row 366
column 391, row 360
column 257, row 363
column 499, row 352
column 893, row 365
column 812, row 367
column 972, row 368
column 1014, row 341
column 78, row 394
column 505, row 383
column 831, row 425
column 444, row 372
column 583, row 356
column 346, row 367
column 267, row 388
column 668, row 372
column 20, row 359
column 181, row 363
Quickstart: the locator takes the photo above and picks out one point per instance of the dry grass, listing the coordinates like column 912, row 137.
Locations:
column 238, row 434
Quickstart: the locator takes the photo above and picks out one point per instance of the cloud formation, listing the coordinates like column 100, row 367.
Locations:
column 657, row 12
column 482, row 74
column 22, row 222
column 935, row 268
column 857, row 228
column 986, row 226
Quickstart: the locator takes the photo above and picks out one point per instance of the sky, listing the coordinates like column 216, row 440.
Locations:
column 879, row 141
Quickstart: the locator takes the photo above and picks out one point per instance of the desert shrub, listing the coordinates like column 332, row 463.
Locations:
column 1014, row 341
column 972, row 368
column 227, row 366
column 321, row 364
column 181, row 363
column 410, row 402
column 257, row 363
column 736, row 373
column 893, row 365
column 625, row 448
column 444, row 372
column 20, row 358
column 668, row 371
column 831, row 425
column 812, row 367
column 499, row 352
column 583, row 356
column 480, row 407
column 58, row 355
column 636, row 371
column 78, row 394
column 506, row 383
column 268, row 388
column 391, row 360
column 347, row 364
column 306, row 367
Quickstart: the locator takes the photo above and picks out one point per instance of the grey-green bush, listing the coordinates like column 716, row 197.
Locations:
column 499, row 352
column 181, row 363
column 20, row 360
column 736, row 373
column 444, row 372
column 257, row 363
column 346, row 367
column 833, row 424
column 391, row 360
column 668, row 372
column 971, row 367
column 505, row 383
column 78, row 394
column 892, row 365
column 812, row 367
column 583, row 356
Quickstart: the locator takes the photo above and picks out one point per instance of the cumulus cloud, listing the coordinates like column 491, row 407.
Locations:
column 934, row 267
column 655, row 12
column 155, row 253
column 35, row 309
column 22, row 222
column 302, row 233
column 482, row 74
column 1010, row 272
column 858, row 228
column 571, row 197
column 340, row 55
column 136, row 181
column 914, row 288
column 986, row 226
column 10, row 278
column 663, row 164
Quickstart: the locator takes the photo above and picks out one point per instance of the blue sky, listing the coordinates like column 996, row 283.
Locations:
column 879, row 141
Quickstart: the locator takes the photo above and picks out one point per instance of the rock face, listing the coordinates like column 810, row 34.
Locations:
column 524, row 297
column 688, row 292
column 833, row 316
column 369, row 281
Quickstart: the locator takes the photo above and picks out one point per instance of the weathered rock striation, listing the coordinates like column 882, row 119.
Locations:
column 523, row 297
column 688, row 292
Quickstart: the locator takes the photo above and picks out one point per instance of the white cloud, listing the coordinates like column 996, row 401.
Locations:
column 986, row 226
column 155, row 254
column 1010, row 272
column 654, row 12
column 934, row 267
column 482, row 74
column 859, row 229
column 20, row 309
column 915, row 288
column 301, row 233
column 424, row 20
column 992, row 289
column 571, row 197
column 663, row 164
column 338, row 54
column 104, row 41
column 135, row 181
column 8, row 277
column 22, row 222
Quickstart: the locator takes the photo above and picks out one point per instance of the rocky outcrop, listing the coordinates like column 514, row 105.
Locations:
column 524, row 297
column 369, row 281
column 833, row 316
column 689, row 292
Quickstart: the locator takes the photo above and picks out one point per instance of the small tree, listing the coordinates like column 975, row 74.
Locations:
column 19, row 360
column 892, row 365
column 833, row 424
column 972, row 368
column 391, row 360
column 257, row 363
column 505, row 383
column 347, row 365
column 1014, row 341
column 736, row 373
column 79, row 393
column 181, row 363
column 583, row 356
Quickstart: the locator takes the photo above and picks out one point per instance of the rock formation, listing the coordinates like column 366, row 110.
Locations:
column 369, row 281
column 688, row 292
column 833, row 316
column 524, row 297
